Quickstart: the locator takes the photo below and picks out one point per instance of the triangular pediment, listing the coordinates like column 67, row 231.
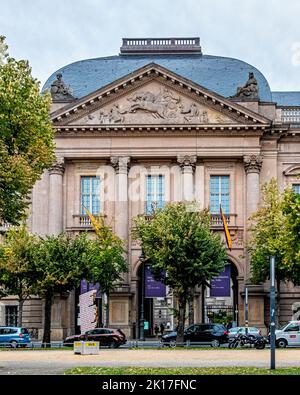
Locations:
column 154, row 95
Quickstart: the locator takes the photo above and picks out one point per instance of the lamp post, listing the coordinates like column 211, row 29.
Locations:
column 272, row 312
column 142, row 318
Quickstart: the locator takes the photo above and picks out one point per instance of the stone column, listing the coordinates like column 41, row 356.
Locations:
column 187, row 164
column 55, row 213
column 252, row 164
column 55, row 227
column 121, row 166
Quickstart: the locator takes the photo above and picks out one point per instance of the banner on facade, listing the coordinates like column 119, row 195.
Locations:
column 153, row 288
column 86, row 287
column 88, row 310
column 220, row 285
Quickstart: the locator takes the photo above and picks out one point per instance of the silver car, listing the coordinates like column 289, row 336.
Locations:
column 252, row 331
column 288, row 335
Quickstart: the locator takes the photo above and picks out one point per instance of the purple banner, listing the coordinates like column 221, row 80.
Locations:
column 220, row 285
column 86, row 287
column 153, row 288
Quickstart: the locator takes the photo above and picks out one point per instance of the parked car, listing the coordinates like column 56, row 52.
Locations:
column 14, row 336
column 252, row 331
column 213, row 334
column 106, row 336
column 288, row 335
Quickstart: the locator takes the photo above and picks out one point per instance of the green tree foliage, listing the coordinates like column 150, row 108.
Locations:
column 26, row 135
column 107, row 263
column 16, row 266
column 274, row 231
column 60, row 262
column 291, row 209
column 180, row 242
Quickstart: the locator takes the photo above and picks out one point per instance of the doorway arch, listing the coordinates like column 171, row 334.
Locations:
column 224, row 307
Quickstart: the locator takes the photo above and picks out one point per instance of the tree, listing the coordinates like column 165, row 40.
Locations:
column 107, row 258
column 291, row 209
column 60, row 263
column 179, row 242
column 26, row 135
column 16, row 266
column 273, row 234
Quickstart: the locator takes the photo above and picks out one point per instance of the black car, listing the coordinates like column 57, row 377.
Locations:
column 106, row 336
column 213, row 334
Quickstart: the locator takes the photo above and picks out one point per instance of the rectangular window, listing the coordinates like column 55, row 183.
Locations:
column 296, row 188
column 90, row 194
column 155, row 192
column 11, row 315
column 219, row 194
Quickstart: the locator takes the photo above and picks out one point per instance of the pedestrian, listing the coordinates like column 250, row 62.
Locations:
column 162, row 328
column 156, row 330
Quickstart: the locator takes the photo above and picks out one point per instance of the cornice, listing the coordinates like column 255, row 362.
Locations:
column 160, row 130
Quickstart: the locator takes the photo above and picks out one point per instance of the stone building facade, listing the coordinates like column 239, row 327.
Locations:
column 163, row 122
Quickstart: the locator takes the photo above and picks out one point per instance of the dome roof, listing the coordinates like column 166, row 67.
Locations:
column 218, row 74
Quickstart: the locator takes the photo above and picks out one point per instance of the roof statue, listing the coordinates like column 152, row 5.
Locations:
column 249, row 91
column 60, row 91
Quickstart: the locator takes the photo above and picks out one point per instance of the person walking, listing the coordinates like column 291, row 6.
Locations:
column 162, row 328
column 156, row 330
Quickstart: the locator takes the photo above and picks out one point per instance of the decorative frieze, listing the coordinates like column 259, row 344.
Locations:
column 253, row 163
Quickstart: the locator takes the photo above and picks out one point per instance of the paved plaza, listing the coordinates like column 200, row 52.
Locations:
column 55, row 362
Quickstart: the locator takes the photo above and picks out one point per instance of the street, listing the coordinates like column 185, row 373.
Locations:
column 44, row 362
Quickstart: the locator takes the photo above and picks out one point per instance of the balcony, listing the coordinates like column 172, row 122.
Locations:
column 216, row 220
column 82, row 222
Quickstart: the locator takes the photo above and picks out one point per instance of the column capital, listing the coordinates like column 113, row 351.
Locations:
column 120, row 163
column 253, row 163
column 187, row 161
column 58, row 166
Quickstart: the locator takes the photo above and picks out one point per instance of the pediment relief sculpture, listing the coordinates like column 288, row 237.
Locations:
column 154, row 105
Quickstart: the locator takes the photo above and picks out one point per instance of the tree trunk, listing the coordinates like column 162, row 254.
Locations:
column 181, row 318
column 107, row 309
column 191, row 307
column 47, row 322
column 20, row 312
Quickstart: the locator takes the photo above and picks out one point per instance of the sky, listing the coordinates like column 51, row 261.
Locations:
column 51, row 34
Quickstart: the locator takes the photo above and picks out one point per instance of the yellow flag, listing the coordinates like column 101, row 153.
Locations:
column 227, row 234
column 95, row 223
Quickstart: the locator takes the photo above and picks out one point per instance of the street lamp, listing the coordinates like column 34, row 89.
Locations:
column 142, row 319
column 272, row 312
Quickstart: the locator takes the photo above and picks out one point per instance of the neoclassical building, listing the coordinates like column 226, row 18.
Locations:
column 163, row 122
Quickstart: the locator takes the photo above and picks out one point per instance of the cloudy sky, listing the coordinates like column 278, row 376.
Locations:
column 51, row 34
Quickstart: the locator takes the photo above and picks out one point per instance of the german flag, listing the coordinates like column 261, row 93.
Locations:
column 226, row 231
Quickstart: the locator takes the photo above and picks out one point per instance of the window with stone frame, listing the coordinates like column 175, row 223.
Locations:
column 11, row 315
column 219, row 194
column 296, row 188
column 155, row 193
column 90, row 194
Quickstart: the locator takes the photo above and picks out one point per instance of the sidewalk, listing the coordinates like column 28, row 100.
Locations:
column 45, row 362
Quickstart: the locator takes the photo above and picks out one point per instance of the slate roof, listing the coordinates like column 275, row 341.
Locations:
column 286, row 98
column 218, row 74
